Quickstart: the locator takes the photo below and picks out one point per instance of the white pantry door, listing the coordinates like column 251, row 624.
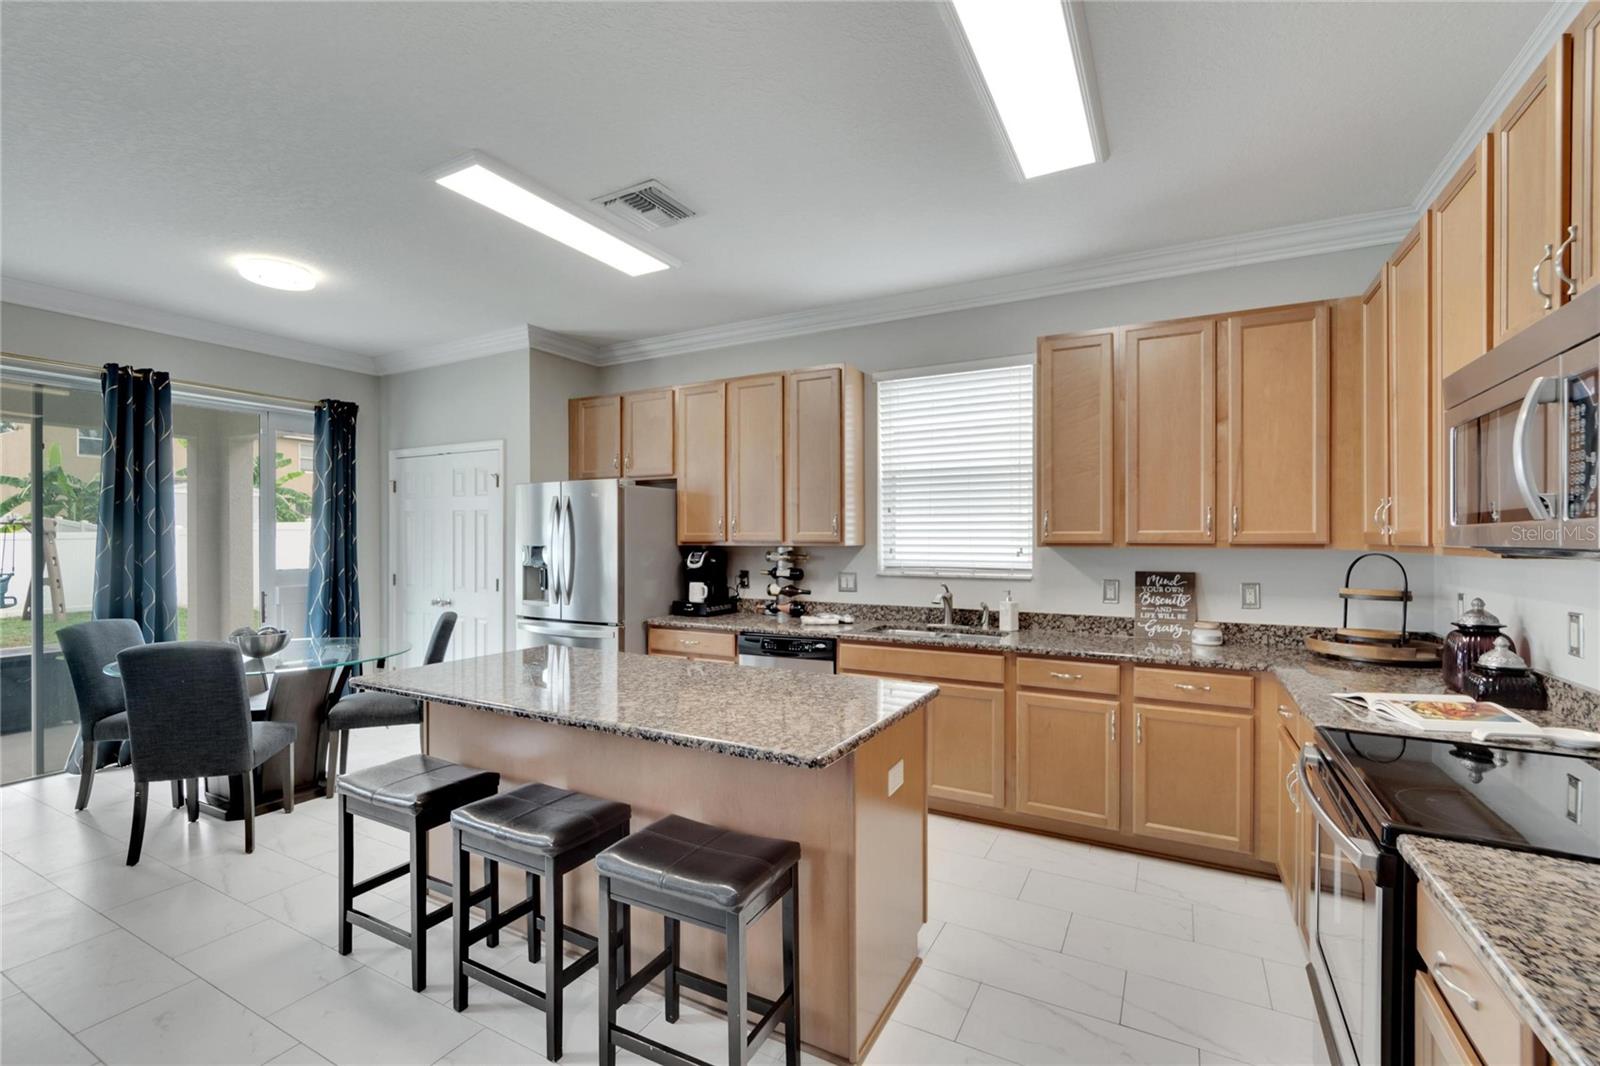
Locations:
column 447, row 551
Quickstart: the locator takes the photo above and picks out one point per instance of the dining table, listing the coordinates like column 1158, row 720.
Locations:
column 301, row 682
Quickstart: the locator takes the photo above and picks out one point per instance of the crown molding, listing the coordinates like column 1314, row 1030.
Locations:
column 510, row 339
column 1264, row 246
column 1533, row 52
column 157, row 320
column 564, row 345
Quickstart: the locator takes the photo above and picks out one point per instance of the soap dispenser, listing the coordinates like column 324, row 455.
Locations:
column 1007, row 614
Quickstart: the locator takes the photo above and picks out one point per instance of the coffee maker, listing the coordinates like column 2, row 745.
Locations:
column 703, row 583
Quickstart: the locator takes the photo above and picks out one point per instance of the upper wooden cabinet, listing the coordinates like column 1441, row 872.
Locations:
column 594, row 437
column 1375, row 410
column 1531, row 196
column 702, row 447
column 1461, row 225
column 1074, row 379
column 1171, row 398
column 755, row 459
column 1278, row 409
column 1408, row 517
column 1585, row 146
column 647, row 436
column 822, row 472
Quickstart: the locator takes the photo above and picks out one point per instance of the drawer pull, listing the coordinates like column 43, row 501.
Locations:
column 1066, row 677
column 1191, row 688
column 1283, row 712
column 1440, row 964
column 689, row 643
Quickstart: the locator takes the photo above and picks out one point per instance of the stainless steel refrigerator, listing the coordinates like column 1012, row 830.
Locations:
column 595, row 559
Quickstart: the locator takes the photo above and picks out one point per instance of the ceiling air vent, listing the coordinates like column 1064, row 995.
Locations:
column 648, row 205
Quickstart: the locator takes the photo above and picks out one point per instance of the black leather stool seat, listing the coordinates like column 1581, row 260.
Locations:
column 421, row 784
column 699, row 862
column 540, row 819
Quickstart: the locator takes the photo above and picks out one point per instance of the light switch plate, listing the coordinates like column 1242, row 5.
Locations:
column 847, row 581
column 897, row 776
column 1250, row 595
column 1110, row 590
column 1575, row 634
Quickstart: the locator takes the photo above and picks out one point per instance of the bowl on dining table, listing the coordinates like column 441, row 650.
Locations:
column 259, row 643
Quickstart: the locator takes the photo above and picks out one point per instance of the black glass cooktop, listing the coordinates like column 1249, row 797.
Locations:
column 1536, row 801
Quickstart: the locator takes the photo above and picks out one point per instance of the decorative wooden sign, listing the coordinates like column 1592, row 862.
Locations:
column 1164, row 606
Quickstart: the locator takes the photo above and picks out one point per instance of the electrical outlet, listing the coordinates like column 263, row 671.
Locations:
column 1250, row 595
column 847, row 581
column 1575, row 634
column 897, row 776
column 1110, row 590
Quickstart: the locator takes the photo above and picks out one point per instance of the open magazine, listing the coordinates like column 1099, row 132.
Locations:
column 1454, row 714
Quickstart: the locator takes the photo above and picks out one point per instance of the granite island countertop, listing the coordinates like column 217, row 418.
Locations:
column 1310, row 680
column 1534, row 922
column 781, row 716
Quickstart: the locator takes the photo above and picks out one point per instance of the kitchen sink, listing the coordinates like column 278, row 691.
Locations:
column 941, row 634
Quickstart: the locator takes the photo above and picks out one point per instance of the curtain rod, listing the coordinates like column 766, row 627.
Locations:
column 226, row 390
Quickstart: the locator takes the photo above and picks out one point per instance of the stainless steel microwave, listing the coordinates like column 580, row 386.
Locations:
column 1520, row 433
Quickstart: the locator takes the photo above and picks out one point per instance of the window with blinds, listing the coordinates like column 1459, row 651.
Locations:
column 955, row 473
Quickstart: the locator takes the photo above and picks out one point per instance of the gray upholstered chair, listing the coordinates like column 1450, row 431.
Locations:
column 365, row 710
column 188, row 718
column 88, row 647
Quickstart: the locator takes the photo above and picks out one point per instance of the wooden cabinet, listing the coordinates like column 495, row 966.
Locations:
column 1531, row 204
column 1194, row 775
column 1461, row 251
column 1410, row 449
column 1073, row 453
column 1437, row 1038
column 1584, row 254
column 1067, row 758
column 822, row 474
column 1287, row 752
column 1170, row 387
column 1375, row 410
column 1278, row 374
column 755, row 459
column 594, row 437
column 966, row 745
column 647, row 435
column 691, row 644
column 702, row 456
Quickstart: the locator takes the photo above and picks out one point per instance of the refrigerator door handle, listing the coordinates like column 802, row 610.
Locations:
column 554, row 564
column 569, row 548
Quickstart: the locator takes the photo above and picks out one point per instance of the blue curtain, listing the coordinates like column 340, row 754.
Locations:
column 333, row 600
column 136, row 547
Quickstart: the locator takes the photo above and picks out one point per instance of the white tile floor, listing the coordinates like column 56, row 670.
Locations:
column 1038, row 951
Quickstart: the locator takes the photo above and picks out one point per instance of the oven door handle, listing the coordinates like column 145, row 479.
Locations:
column 1363, row 852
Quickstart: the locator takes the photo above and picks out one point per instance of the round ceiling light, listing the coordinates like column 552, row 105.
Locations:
column 276, row 273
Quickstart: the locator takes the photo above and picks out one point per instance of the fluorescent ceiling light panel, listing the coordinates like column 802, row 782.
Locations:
column 1027, row 55
column 488, row 184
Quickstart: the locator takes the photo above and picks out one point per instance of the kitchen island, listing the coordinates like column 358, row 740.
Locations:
column 835, row 763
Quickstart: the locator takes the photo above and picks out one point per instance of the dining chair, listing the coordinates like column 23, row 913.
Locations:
column 87, row 648
column 189, row 718
column 366, row 710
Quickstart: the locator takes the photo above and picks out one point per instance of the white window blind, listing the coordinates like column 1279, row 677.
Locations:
column 955, row 473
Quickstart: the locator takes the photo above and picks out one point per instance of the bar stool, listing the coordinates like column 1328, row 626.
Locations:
column 414, row 793
column 545, row 832
column 718, row 879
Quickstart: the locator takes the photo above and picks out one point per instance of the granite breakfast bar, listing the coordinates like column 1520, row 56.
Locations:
column 836, row 763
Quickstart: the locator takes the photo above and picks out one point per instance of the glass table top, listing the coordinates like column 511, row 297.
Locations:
column 314, row 653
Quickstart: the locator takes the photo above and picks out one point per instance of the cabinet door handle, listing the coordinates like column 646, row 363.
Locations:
column 1566, row 279
column 1538, row 289
column 1283, row 712
column 1066, row 677
column 1384, row 508
column 1440, row 964
column 1208, row 520
column 733, row 526
column 627, row 462
column 1291, row 787
column 1236, row 520
column 1112, row 717
column 1046, row 529
column 615, row 460
column 1191, row 688
column 719, row 527
column 836, row 524
column 1138, row 727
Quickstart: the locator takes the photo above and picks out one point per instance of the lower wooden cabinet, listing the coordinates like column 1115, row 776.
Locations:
column 1194, row 776
column 1067, row 759
column 966, row 745
column 1437, row 1037
column 692, row 644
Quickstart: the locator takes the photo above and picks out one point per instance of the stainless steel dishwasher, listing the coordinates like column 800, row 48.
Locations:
column 812, row 654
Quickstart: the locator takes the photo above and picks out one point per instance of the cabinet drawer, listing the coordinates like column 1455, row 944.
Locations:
column 1492, row 1024
column 921, row 663
column 1069, row 676
column 694, row 643
column 1205, row 687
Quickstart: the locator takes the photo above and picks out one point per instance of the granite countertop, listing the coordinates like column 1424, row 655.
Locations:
column 781, row 716
column 1310, row 680
column 1531, row 920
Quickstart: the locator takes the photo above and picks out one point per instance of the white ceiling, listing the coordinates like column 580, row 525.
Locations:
column 837, row 152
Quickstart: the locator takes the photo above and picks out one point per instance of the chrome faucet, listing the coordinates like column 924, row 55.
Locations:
column 983, row 619
column 947, row 600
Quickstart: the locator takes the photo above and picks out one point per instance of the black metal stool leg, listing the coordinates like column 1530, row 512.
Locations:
column 624, row 944
column 346, row 873
column 791, row 972
column 669, row 941
column 737, row 1001
column 461, row 891
column 533, row 919
column 419, row 908
column 608, row 981
column 491, row 906
column 553, row 984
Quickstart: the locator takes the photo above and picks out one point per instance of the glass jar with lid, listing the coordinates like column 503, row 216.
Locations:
column 1501, row 676
column 1473, row 635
